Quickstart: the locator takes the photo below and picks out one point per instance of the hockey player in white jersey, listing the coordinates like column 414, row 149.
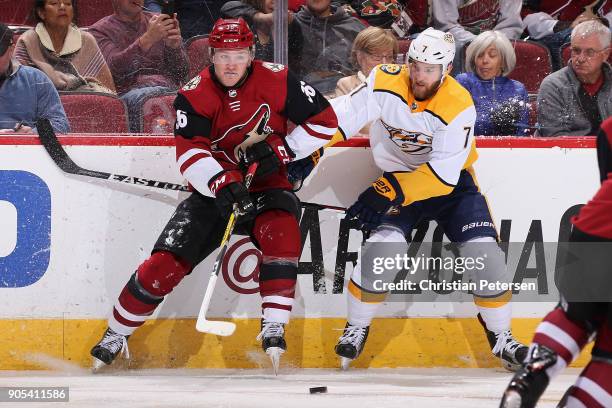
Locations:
column 421, row 137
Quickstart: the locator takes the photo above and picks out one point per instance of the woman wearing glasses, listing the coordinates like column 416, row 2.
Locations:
column 372, row 46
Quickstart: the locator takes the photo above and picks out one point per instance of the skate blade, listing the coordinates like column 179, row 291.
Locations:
column 275, row 354
column 512, row 399
column 345, row 362
column 97, row 365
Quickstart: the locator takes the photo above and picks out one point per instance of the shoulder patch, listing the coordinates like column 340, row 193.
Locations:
column 391, row 69
column 273, row 67
column 195, row 81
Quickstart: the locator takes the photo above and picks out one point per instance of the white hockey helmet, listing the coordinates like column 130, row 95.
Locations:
column 433, row 47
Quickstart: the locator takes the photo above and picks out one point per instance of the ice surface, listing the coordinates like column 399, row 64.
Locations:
column 388, row 388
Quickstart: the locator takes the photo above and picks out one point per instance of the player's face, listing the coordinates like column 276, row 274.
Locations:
column 231, row 65
column 424, row 79
column 489, row 63
column 588, row 56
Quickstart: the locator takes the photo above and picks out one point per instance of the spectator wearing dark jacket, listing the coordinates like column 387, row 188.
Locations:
column 329, row 32
column 259, row 15
column 196, row 17
column 576, row 99
column 501, row 103
column 144, row 52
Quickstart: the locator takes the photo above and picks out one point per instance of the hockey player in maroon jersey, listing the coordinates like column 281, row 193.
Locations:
column 232, row 114
column 566, row 330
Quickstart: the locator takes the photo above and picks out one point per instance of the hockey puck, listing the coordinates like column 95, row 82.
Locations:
column 318, row 390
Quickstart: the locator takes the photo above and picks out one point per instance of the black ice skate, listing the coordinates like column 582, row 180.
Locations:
column 503, row 345
column 530, row 381
column 351, row 344
column 272, row 338
column 111, row 345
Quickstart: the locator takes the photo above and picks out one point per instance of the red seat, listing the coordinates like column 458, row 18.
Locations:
column 197, row 53
column 566, row 54
column 87, row 12
column 93, row 112
column 158, row 114
column 533, row 64
column 16, row 12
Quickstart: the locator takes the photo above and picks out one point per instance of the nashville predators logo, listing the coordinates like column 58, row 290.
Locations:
column 392, row 69
column 409, row 142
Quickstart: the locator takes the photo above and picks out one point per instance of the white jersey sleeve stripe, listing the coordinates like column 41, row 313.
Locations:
column 189, row 154
column 200, row 173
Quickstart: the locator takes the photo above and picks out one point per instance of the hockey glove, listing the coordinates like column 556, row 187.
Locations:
column 230, row 192
column 374, row 202
column 269, row 153
column 298, row 170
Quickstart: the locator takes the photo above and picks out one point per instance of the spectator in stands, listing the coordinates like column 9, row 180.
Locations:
column 575, row 99
column 144, row 52
column 196, row 17
column 259, row 15
column 501, row 103
column 329, row 32
column 26, row 94
column 372, row 46
column 551, row 23
column 69, row 56
column 465, row 20
column 374, row 13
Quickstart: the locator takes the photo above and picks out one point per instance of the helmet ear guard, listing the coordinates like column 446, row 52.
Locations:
column 433, row 47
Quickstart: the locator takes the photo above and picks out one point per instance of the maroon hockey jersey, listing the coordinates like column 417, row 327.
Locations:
column 213, row 120
column 595, row 218
column 565, row 10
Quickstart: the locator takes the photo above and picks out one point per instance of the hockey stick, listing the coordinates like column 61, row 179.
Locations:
column 220, row 328
column 57, row 153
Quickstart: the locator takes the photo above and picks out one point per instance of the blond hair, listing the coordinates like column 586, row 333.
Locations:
column 372, row 39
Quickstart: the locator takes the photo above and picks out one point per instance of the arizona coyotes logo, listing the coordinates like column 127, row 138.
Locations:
column 409, row 142
column 252, row 131
column 376, row 7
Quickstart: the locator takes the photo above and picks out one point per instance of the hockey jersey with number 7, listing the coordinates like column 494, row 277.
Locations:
column 422, row 146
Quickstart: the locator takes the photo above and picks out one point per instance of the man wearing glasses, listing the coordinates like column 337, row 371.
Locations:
column 26, row 94
column 576, row 99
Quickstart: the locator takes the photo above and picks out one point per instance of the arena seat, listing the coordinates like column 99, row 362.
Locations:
column 94, row 112
column 197, row 53
column 158, row 114
column 533, row 64
column 87, row 12
column 17, row 12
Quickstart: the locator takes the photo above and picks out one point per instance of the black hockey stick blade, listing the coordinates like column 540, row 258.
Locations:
column 57, row 153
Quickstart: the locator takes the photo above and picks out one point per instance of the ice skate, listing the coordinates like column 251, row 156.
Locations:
column 273, row 341
column 111, row 345
column 504, row 346
column 351, row 344
column 530, row 381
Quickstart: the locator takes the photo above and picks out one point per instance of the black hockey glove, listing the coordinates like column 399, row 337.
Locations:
column 230, row 192
column 368, row 209
column 505, row 117
column 269, row 153
column 298, row 170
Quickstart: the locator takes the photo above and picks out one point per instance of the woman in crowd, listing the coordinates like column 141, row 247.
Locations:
column 372, row 46
column 67, row 55
column 502, row 104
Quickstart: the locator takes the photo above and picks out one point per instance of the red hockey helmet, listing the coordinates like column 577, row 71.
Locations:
column 230, row 33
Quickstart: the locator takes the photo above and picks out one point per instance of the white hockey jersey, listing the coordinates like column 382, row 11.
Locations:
column 422, row 146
